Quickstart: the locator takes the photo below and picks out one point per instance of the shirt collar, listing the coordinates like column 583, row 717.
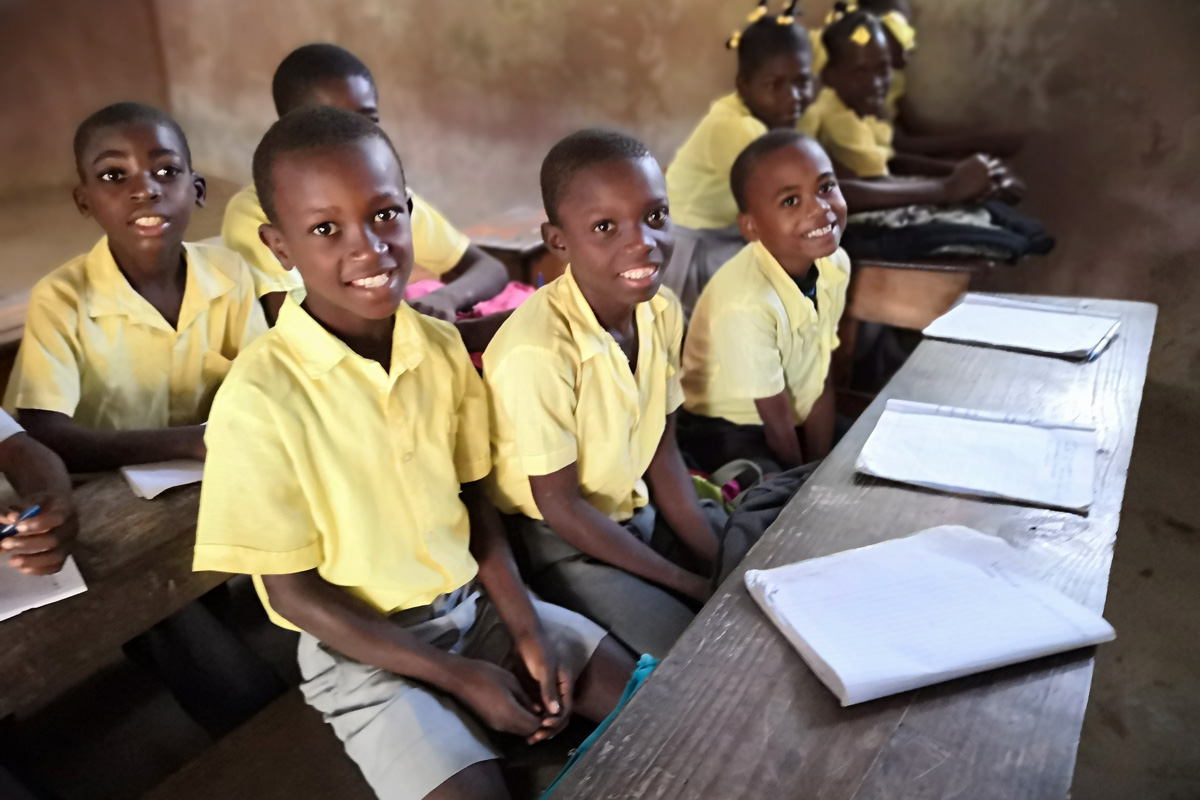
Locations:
column 110, row 293
column 320, row 351
column 586, row 330
column 799, row 308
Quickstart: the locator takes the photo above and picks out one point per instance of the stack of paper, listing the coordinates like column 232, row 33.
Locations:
column 148, row 481
column 983, row 453
column 912, row 612
column 19, row 592
column 1029, row 327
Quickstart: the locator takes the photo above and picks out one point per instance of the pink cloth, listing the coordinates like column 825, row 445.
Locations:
column 415, row 291
column 509, row 298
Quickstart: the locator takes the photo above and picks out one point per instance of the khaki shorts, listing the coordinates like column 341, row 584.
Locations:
column 407, row 738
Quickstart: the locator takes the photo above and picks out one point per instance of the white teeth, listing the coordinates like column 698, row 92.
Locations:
column 641, row 273
column 148, row 222
column 818, row 232
column 373, row 282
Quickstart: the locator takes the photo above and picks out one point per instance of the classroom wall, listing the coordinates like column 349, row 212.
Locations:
column 62, row 60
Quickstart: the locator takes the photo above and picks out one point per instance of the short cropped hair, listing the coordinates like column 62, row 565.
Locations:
column 756, row 151
column 837, row 34
column 124, row 114
column 309, row 65
column 577, row 152
column 308, row 129
column 766, row 38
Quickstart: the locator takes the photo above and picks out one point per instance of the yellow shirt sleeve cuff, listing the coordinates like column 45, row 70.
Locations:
column 44, row 401
column 549, row 462
column 471, row 471
column 249, row 561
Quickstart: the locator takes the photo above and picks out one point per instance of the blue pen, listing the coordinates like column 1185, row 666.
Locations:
column 9, row 530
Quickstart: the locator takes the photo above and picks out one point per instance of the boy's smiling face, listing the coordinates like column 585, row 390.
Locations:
column 355, row 93
column 344, row 224
column 780, row 89
column 615, row 231
column 137, row 183
column 794, row 206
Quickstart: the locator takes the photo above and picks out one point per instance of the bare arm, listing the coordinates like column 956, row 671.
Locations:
column 779, row 425
column 970, row 179
column 912, row 164
column 92, row 450
column 476, row 277
column 579, row 522
column 818, row 428
column 353, row 628
column 38, row 476
column 676, row 499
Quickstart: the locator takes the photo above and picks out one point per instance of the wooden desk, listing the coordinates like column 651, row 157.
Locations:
column 136, row 557
column 733, row 712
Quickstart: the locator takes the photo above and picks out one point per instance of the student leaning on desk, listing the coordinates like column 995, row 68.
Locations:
column 39, row 545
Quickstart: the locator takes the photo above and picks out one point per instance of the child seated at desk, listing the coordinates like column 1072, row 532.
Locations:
column 756, row 361
column 850, row 123
column 347, row 448
column 124, row 347
column 584, row 385
column 39, row 545
column 325, row 74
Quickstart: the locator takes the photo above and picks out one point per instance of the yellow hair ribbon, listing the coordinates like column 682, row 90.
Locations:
column 734, row 40
column 861, row 36
column 835, row 15
column 785, row 20
column 757, row 14
column 900, row 27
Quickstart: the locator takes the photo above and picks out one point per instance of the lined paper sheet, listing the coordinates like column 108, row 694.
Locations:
column 983, row 453
column 20, row 592
column 1031, row 327
column 911, row 612
column 148, row 481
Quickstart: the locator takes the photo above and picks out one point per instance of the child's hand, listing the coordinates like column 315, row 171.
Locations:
column 191, row 442
column 40, row 545
column 436, row 304
column 695, row 587
column 495, row 695
column 970, row 180
column 554, row 684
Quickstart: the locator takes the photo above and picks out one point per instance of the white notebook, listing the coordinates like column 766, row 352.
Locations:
column 148, row 481
column 1051, row 464
column 20, row 592
column 912, row 612
column 1031, row 327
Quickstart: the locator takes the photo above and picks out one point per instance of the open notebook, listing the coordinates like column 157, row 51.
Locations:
column 20, row 592
column 148, row 481
column 984, row 453
column 916, row 611
column 1072, row 333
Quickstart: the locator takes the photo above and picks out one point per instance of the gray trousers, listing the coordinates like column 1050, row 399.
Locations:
column 646, row 617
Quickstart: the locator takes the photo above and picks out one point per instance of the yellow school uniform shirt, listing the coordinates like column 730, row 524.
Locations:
column 319, row 459
column 754, row 334
column 896, row 92
column 96, row 350
column 562, row 392
column 861, row 144
column 437, row 245
column 698, row 178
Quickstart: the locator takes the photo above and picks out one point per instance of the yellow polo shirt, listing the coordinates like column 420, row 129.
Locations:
column 437, row 245
column 319, row 459
column 562, row 392
column 861, row 144
column 754, row 334
column 96, row 350
column 698, row 178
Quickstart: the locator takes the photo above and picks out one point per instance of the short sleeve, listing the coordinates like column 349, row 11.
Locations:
column 46, row 375
column 851, row 143
column 473, row 444
column 8, row 426
column 535, row 392
column 744, row 347
column 437, row 245
column 254, row 516
column 239, row 232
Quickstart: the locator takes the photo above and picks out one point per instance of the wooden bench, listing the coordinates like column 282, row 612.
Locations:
column 286, row 752
column 733, row 712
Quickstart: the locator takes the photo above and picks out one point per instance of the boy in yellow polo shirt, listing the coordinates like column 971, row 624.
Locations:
column 345, row 454
column 584, row 384
column 325, row 74
column 756, row 362
column 125, row 347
